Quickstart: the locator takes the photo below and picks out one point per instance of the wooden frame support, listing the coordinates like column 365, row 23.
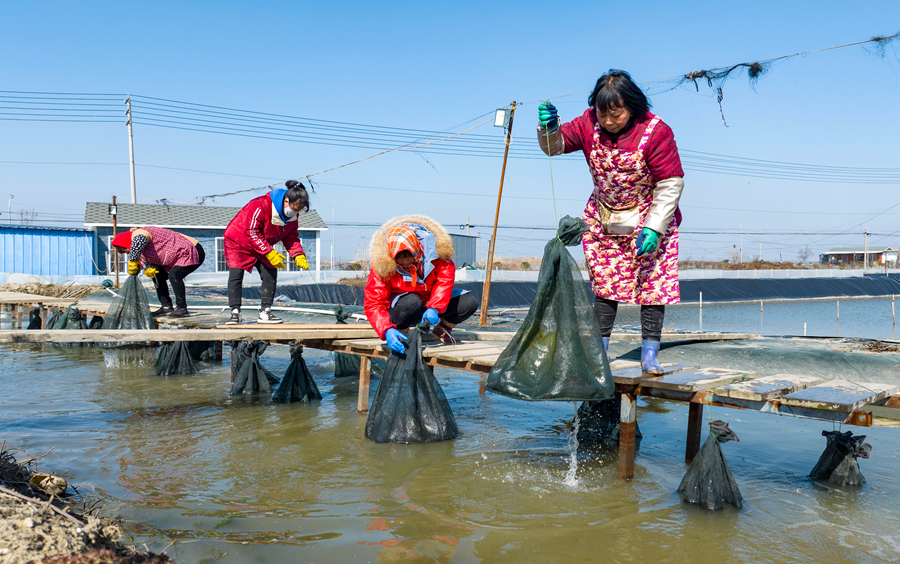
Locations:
column 694, row 431
column 627, row 426
column 44, row 310
column 365, row 374
column 19, row 308
column 219, row 346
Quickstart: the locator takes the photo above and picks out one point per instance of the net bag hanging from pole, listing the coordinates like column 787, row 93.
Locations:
column 410, row 406
column 838, row 464
column 130, row 309
column 708, row 482
column 175, row 358
column 298, row 383
column 558, row 352
column 250, row 376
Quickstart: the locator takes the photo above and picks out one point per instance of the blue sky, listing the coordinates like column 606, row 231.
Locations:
column 436, row 65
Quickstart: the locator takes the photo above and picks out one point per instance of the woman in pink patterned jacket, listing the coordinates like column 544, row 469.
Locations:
column 632, row 245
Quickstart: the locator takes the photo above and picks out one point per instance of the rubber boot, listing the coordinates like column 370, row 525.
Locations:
column 606, row 344
column 649, row 351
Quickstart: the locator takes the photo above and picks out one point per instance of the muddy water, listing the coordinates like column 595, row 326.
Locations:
column 244, row 480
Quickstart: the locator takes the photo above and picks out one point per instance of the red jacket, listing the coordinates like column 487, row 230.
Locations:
column 435, row 292
column 253, row 232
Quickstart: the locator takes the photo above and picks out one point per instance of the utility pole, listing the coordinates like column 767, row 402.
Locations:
column 486, row 290
column 115, row 254
column 130, row 152
column 467, row 226
column 866, row 250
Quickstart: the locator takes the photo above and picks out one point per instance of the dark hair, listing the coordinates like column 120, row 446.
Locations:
column 403, row 254
column 616, row 89
column 296, row 194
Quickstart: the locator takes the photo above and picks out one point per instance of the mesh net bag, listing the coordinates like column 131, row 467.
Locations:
column 838, row 464
column 96, row 322
column 72, row 318
column 130, row 310
column 348, row 365
column 708, row 482
column 599, row 421
column 202, row 350
column 410, row 406
column 175, row 358
column 34, row 318
column 249, row 375
column 558, row 353
column 298, row 383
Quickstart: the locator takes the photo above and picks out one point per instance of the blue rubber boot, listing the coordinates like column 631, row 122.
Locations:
column 649, row 351
column 606, row 344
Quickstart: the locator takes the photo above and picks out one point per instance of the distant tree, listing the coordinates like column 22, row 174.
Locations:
column 804, row 254
column 27, row 217
column 526, row 265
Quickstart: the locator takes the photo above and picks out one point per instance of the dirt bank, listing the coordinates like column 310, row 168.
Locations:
column 43, row 519
column 74, row 291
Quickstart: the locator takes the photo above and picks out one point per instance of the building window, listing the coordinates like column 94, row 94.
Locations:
column 220, row 255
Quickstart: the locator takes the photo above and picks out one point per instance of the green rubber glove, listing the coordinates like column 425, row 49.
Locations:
column 548, row 116
column 647, row 241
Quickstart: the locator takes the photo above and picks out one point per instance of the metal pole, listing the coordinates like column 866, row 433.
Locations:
column 467, row 227
column 113, row 251
column 130, row 152
column 332, row 238
column 8, row 208
column 485, row 294
column 866, row 251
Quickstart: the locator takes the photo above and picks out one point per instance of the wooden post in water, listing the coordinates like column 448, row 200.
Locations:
column 838, row 302
column 893, row 312
column 19, row 308
column 218, row 350
column 365, row 373
column 694, row 431
column 44, row 310
column 115, row 255
column 486, row 288
column 627, row 426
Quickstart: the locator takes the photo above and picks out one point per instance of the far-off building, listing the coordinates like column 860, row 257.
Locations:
column 850, row 255
column 205, row 223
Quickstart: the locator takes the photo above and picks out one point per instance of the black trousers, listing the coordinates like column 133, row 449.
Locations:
column 409, row 309
column 267, row 274
column 651, row 318
column 176, row 276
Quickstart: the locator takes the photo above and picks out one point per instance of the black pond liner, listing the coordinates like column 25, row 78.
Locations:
column 558, row 352
column 249, row 375
column 298, row 383
column 838, row 464
column 175, row 358
column 708, row 482
column 410, row 406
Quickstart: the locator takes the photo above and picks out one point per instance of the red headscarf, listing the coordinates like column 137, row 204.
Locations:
column 122, row 240
column 403, row 238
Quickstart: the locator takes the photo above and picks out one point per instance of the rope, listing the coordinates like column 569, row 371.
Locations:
column 550, row 164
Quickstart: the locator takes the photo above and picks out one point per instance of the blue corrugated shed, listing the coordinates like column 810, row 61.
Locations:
column 46, row 251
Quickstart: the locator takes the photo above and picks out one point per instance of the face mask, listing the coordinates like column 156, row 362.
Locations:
column 288, row 212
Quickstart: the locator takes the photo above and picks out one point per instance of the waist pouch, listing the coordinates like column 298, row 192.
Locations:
column 619, row 222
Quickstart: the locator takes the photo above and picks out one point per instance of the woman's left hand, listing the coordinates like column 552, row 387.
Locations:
column 431, row 316
column 647, row 241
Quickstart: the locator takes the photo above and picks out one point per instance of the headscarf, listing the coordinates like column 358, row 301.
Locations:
column 277, row 197
column 403, row 238
column 122, row 240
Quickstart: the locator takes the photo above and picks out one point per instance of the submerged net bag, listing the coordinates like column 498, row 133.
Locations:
column 599, row 421
column 348, row 365
column 298, row 383
column 708, row 482
column 175, row 358
column 130, row 310
column 202, row 350
column 838, row 463
column 96, row 322
column 34, row 318
column 249, row 375
column 410, row 406
column 72, row 318
column 558, row 353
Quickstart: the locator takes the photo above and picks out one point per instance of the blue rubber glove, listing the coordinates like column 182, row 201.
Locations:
column 647, row 241
column 431, row 316
column 395, row 340
column 548, row 116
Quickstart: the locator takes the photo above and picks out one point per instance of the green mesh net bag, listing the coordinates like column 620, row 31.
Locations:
column 708, row 482
column 175, row 358
column 250, row 376
column 838, row 464
column 130, row 310
column 298, row 383
column 558, row 353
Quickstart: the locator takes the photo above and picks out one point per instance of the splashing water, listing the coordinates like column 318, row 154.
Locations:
column 129, row 356
column 572, row 447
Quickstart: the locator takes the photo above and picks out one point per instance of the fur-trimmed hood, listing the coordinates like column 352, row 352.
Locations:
column 379, row 258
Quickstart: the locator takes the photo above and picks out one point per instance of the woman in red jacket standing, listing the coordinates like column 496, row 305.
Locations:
column 249, row 240
column 412, row 281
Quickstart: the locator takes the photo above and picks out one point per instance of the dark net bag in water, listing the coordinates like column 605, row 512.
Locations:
column 348, row 365
column 249, row 375
column 838, row 463
column 558, row 353
column 298, row 383
column 599, row 421
column 96, row 322
column 72, row 318
column 130, row 310
column 410, row 406
column 175, row 358
column 708, row 482
column 202, row 350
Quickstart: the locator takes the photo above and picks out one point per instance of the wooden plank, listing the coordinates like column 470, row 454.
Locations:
column 622, row 364
column 670, row 337
column 487, row 360
column 272, row 333
column 627, row 431
column 365, row 374
column 265, row 326
column 503, row 336
column 696, row 380
column 767, row 387
column 23, row 298
column 458, row 355
column 839, row 395
column 634, row 375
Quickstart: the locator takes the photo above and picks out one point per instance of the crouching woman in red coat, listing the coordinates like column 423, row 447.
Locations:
column 249, row 240
column 412, row 281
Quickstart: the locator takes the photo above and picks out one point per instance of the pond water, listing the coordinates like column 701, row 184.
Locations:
column 245, row 480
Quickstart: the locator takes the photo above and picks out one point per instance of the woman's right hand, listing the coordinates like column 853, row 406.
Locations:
column 395, row 340
column 548, row 116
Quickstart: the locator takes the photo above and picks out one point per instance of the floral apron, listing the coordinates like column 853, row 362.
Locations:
column 621, row 180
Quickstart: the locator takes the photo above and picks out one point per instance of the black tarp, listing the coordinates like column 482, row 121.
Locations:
column 558, row 353
column 409, row 405
column 708, row 482
column 297, row 383
column 838, row 463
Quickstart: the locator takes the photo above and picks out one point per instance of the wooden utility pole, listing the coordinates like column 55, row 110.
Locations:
column 486, row 290
column 130, row 153
column 115, row 254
